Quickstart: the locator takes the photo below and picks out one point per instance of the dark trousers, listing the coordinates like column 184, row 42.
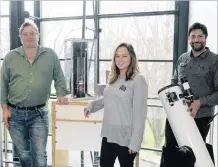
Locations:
column 110, row 151
column 201, row 124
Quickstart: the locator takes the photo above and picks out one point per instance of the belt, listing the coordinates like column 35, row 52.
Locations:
column 27, row 108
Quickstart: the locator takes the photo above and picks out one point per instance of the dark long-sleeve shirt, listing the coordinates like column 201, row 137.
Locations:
column 202, row 75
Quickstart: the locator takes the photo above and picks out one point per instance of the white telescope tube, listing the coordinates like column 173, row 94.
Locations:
column 183, row 125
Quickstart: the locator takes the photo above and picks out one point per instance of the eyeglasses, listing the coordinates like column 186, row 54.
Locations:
column 32, row 34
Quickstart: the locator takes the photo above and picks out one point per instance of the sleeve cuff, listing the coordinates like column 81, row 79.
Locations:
column 135, row 143
column 62, row 93
column 90, row 107
column 203, row 101
column 4, row 101
column 134, row 148
column 173, row 81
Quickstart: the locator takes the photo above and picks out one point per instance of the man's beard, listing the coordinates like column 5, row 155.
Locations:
column 198, row 48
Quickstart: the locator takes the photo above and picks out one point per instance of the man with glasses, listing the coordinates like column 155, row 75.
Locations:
column 26, row 76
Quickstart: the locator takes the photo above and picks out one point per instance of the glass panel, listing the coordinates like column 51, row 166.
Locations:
column 152, row 37
column 53, row 33
column 158, row 75
column 154, row 129
column 61, row 8
column 154, row 135
column 4, row 7
column 108, row 7
column 103, row 67
column 91, row 78
column 53, row 91
column 29, row 6
column 5, row 37
column 90, row 27
column 90, row 7
column 149, row 158
column 79, row 66
column 1, row 61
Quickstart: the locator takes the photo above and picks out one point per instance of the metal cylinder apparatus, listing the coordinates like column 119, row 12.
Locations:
column 80, row 67
column 183, row 125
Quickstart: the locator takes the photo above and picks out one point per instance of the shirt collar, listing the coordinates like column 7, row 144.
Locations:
column 202, row 55
column 40, row 50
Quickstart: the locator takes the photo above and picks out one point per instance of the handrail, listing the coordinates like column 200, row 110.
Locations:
column 78, row 120
column 151, row 149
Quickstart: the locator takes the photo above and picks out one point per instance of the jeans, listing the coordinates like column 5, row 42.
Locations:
column 29, row 132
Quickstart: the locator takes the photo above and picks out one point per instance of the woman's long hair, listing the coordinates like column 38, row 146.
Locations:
column 132, row 69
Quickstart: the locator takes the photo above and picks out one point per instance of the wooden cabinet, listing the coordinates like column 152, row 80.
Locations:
column 72, row 131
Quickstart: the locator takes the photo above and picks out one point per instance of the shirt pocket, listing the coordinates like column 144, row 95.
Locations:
column 202, row 80
column 205, row 74
column 203, row 70
column 182, row 69
column 17, row 72
column 15, row 116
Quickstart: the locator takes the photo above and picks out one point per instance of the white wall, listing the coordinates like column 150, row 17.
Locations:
column 205, row 12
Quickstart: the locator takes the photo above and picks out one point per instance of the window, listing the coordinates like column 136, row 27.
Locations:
column 104, row 66
column 4, row 28
column 5, row 36
column 61, row 8
column 90, row 5
column 53, row 91
column 1, row 63
column 4, row 8
column 29, row 6
column 54, row 33
column 152, row 37
column 65, row 8
column 154, row 132
column 157, row 74
column 108, row 7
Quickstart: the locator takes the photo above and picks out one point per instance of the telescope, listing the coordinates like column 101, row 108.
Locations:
column 175, row 103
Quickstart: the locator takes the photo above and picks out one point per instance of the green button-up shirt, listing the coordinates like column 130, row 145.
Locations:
column 25, row 84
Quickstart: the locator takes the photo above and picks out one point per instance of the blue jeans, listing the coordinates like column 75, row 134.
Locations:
column 29, row 132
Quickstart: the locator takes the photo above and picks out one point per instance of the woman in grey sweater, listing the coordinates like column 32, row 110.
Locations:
column 125, row 109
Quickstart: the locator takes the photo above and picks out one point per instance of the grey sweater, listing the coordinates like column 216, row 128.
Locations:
column 125, row 110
